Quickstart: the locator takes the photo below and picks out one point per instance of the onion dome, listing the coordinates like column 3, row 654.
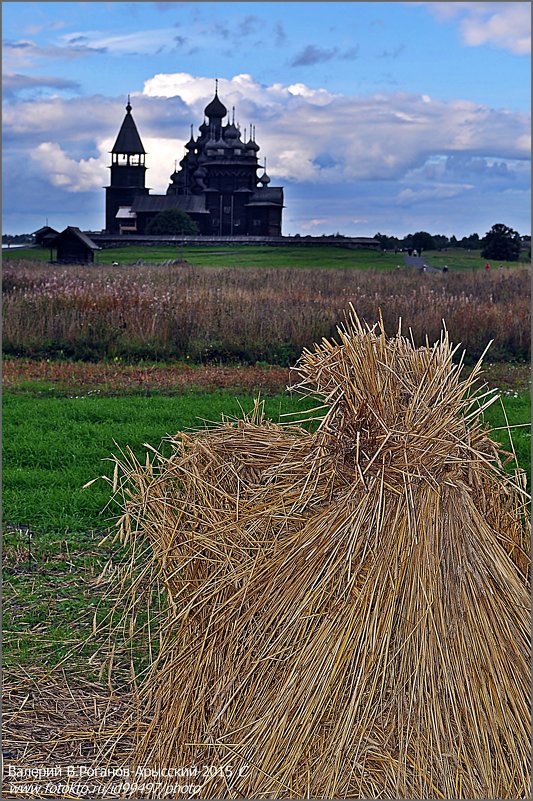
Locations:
column 215, row 109
column 231, row 131
column 191, row 144
column 251, row 144
column 221, row 143
column 264, row 179
column 204, row 127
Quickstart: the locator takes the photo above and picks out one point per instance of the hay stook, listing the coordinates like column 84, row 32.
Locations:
column 342, row 612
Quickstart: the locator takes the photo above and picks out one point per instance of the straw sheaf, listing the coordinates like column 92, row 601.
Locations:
column 341, row 613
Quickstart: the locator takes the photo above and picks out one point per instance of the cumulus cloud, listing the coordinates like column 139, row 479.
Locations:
column 371, row 136
column 503, row 25
column 309, row 225
column 29, row 122
column 311, row 134
column 70, row 174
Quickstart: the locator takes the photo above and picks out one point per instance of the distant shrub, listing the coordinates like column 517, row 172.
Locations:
column 172, row 221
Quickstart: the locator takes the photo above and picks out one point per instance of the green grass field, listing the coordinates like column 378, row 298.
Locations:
column 237, row 256
column 53, row 446
column 323, row 256
column 53, row 528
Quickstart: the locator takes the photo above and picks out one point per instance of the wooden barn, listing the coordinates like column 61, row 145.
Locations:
column 44, row 235
column 73, row 247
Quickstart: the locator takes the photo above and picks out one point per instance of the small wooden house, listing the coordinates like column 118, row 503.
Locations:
column 73, row 247
column 44, row 235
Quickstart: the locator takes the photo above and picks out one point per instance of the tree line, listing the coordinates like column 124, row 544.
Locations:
column 501, row 242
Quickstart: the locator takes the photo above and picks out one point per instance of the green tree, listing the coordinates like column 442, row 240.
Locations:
column 502, row 243
column 471, row 242
column 441, row 241
column 423, row 241
column 172, row 221
column 387, row 242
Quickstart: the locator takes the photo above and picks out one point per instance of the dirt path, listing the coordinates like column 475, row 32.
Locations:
column 418, row 262
column 111, row 379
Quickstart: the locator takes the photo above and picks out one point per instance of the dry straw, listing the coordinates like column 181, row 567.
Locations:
column 339, row 612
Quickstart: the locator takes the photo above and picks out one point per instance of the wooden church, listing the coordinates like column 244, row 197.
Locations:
column 217, row 183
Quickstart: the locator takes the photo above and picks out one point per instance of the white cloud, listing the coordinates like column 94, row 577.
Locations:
column 377, row 136
column 504, row 25
column 72, row 175
column 25, row 53
column 144, row 41
column 307, row 135
column 439, row 192
column 308, row 225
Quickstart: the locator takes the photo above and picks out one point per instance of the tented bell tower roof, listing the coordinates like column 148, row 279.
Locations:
column 128, row 139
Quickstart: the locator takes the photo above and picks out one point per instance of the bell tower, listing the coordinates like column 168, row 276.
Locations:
column 128, row 171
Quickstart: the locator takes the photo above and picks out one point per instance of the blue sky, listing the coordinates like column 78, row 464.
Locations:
column 390, row 117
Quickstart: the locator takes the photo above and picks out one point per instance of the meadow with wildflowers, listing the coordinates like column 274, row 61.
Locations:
column 247, row 315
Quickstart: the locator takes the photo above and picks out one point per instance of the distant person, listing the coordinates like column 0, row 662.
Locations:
column 445, row 268
column 487, row 266
column 398, row 267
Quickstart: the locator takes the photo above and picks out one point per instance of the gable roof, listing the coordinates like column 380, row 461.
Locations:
column 156, row 203
column 73, row 231
column 46, row 229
